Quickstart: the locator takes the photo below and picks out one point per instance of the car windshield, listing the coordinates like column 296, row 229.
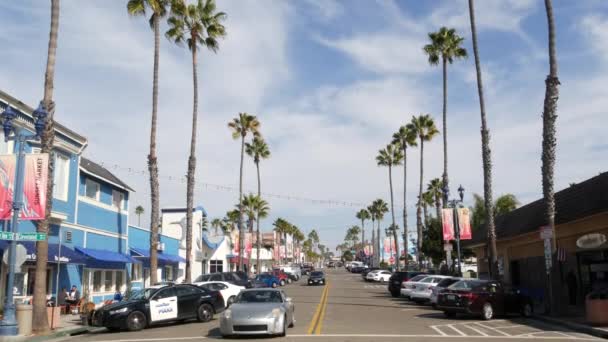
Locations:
column 142, row 294
column 259, row 297
column 316, row 274
column 446, row 282
column 418, row 277
column 465, row 285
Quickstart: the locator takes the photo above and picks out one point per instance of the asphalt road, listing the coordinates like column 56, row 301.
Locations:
column 349, row 309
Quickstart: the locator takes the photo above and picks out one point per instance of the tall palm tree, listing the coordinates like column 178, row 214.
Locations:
column 363, row 215
column 380, row 208
column 486, row 152
column 40, row 320
column 159, row 10
column 258, row 150
column 241, row 126
column 139, row 210
column 427, row 200
column 298, row 237
column 435, row 190
column 216, row 224
column 389, row 156
column 281, row 227
column 425, row 129
column 255, row 208
column 405, row 138
column 199, row 25
column 445, row 46
column 373, row 215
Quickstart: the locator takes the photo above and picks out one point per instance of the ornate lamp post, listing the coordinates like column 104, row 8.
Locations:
column 455, row 203
column 8, row 324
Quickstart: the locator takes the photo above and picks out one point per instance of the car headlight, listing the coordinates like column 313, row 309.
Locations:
column 276, row 313
column 113, row 312
column 227, row 313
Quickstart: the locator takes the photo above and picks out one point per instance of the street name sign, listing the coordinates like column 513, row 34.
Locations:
column 30, row 236
column 7, row 236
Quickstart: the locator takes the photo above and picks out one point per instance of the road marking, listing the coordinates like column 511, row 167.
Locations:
column 451, row 326
column 477, row 330
column 320, row 323
column 491, row 328
column 438, row 330
column 315, row 318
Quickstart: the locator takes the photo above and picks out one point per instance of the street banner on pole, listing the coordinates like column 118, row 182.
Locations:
column 248, row 245
column 34, row 186
column 464, row 223
column 447, row 218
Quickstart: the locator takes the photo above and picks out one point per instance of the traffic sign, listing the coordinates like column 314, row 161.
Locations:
column 20, row 256
column 30, row 236
column 7, row 236
column 546, row 232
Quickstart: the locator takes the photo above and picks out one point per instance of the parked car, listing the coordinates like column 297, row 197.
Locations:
column 444, row 283
column 258, row 312
column 316, row 278
column 423, row 289
column 397, row 279
column 237, row 278
column 378, row 275
column 358, row 269
column 307, row 268
column 283, row 277
column 293, row 270
column 487, row 298
column 266, row 280
column 408, row 286
column 367, row 270
column 160, row 304
column 228, row 291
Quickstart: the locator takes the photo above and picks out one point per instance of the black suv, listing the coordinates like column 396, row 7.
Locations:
column 237, row 278
column 394, row 282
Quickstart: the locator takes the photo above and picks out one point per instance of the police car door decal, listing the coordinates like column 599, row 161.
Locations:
column 165, row 308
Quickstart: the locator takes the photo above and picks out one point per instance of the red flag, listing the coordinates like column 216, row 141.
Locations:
column 464, row 223
column 447, row 218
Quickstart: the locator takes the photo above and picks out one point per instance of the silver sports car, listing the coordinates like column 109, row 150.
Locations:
column 258, row 311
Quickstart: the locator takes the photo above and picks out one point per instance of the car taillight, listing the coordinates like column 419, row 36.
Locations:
column 470, row 296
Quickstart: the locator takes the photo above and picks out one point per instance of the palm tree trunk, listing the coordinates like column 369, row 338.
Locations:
column 390, row 182
column 373, row 244
column 426, row 214
column 405, row 232
column 549, row 143
column 40, row 321
column 378, row 242
column 363, row 235
column 257, row 221
column 445, row 128
column 486, row 152
column 241, row 230
column 191, row 172
column 438, row 207
column 419, row 209
column 153, row 161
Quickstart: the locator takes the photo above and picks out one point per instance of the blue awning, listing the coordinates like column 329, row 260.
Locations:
column 141, row 253
column 107, row 259
column 55, row 254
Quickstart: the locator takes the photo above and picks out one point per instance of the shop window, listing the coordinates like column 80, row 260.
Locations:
column 216, row 266
column 107, row 281
column 136, row 272
column 97, row 281
column 119, row 281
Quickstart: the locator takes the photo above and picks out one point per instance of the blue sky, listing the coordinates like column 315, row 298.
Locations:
column 330, row 82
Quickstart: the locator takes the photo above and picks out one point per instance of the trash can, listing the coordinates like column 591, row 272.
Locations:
column 24, row 318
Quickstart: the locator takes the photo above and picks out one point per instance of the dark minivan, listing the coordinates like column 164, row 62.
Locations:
column 394, row 282
column 237, row 278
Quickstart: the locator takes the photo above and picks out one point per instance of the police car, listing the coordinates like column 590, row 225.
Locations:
column 160, row 304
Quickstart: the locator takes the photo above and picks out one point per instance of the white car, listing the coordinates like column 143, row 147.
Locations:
column 408, row 286
column 228, row 291
column 423, row 289
column 378, row 275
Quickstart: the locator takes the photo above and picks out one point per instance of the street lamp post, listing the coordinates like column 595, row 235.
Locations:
column 8, row 324
column 455, row 203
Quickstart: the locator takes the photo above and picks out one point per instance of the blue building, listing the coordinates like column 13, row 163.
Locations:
column 89, row 233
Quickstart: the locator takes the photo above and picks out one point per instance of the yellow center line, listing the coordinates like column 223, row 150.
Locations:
column 315, row 317
column 320, row 323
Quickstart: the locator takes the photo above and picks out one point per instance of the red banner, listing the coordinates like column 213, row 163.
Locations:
column 447, row 218
column 34, row 186
column 464, row 223
column 248, row 245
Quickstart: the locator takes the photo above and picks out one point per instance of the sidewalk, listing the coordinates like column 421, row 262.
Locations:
column 576, row 323
column 69, row 325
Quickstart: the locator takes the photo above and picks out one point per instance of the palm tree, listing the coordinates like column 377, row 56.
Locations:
column 255, row 208
column 503, row 205
column 425, row 129
column 216, row 224
column 139, row 210
column 486, row 152
column 389, row 156
column 427, row 199
column 363, row 215
column 241, row 126
column 40, row 320
column 445, row 46
column 380, row 208
column 298, row 238
column 281, row 227
column 258, row 150
column 198, row 25
column 159, row 10
column 435, row 190
column 373, row 215
column 404, row 138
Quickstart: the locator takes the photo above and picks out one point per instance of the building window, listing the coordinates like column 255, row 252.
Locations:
column 168, row 273
column 216, row 266
column 117, row 199
column 107, row 281
column 118, row 282
column 68, row 236
column 6, row 147
column 61, row 177
column 136, row 272
column 97, row 281
column 92, row 189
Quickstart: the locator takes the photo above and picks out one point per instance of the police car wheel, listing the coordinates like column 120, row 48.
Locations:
column 136, row 321
column 205, row 313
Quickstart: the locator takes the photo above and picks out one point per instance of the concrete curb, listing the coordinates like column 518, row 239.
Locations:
column 582, row 328
column 53, row 335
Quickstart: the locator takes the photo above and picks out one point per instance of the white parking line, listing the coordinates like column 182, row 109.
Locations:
column 438, row 330
column 477, row 330
column 491, row 328
column 451, row 326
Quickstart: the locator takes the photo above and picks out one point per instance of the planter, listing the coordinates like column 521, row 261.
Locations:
column 52, row 314
column 596, row 307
